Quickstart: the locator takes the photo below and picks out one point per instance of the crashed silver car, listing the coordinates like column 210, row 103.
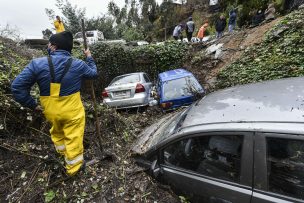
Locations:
column 128, row 91
column 242, row 144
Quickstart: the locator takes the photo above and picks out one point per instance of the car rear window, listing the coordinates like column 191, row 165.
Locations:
column 181, row 87
column 124, row 79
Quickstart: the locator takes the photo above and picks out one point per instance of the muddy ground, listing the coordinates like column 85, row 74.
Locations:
column 31, row 171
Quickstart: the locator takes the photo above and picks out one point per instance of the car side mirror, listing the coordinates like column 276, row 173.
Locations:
column 155, row 168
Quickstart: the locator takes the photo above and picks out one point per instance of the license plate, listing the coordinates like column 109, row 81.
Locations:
column 125, row 93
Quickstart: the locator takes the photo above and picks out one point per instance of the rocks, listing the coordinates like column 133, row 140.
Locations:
column 213, row 48
column 277, row 33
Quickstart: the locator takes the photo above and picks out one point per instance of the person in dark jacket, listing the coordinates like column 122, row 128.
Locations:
column 232, row 20
column 59, row 79
column 220, row 26
column 190, row 27
column 258, row 18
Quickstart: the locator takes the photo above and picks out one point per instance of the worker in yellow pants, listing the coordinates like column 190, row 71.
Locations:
column 59, row 78
column 68, row 124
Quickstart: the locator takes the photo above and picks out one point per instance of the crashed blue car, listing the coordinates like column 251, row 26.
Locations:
column 177, row 88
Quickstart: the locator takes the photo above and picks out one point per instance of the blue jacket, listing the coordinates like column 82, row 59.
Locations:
column 38, row 71
column 232, row 18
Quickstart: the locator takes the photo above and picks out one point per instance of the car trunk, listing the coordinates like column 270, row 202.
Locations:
column 122, row 91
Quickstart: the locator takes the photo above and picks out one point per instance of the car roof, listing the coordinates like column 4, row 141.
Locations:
column 277, row 101
column 137, row 73
column 174, row 74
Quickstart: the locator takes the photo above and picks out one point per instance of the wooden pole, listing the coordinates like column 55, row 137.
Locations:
column 92, row 90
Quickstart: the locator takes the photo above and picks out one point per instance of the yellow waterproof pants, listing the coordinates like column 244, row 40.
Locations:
column 67, row 116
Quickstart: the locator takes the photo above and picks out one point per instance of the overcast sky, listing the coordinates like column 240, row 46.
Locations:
column 30, row 18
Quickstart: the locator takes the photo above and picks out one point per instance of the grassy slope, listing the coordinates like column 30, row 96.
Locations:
column 280, row 55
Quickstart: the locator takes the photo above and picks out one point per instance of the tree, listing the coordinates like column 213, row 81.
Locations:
column 47, row 33
column 8, row 31
column 127, row 19
column 104, row 24
column 132, row 34
column 72, row 15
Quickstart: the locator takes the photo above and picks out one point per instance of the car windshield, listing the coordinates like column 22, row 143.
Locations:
column 124, row 79
column 90, row 34
column 171, row 126
column 181, row 87
column 78, row 35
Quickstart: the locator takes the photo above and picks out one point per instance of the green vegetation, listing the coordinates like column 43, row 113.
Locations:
column 113, row 60
column 148, row 20
column 281, row 55
column 13, row 58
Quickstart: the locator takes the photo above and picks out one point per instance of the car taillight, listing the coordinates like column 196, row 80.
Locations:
column 104, row 94
column 166, row 105
column 140, row 88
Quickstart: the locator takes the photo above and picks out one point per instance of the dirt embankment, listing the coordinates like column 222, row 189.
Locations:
column 207, row 67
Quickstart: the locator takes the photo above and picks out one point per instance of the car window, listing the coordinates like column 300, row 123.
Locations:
column 216, row 156
column 181, row 87
column 90, row 34
column 285, row 163
column 147, row 79
column 78, row 35
column 124, row 79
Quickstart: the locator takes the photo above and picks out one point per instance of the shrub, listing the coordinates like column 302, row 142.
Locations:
column 116, row 59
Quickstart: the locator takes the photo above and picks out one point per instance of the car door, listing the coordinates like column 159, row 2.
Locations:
column 210, row 167
column 278, row 168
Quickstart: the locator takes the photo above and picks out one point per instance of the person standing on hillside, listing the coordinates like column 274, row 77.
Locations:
column 232, row 20
column 59, row 78
column 257, row 18
column 190, row 27
column 177, row 32
column 58, row 25
column 220, row 26
column 202, row 31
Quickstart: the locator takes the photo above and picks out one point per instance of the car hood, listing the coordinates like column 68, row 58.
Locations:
column 154, row 134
